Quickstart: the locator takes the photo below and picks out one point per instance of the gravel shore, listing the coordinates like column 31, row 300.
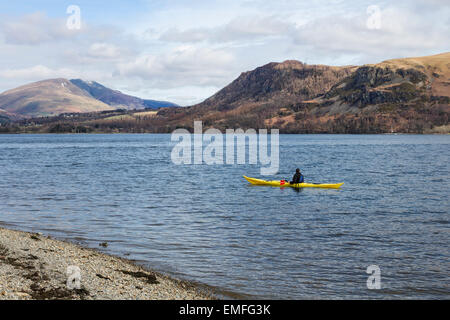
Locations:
column 34, row 267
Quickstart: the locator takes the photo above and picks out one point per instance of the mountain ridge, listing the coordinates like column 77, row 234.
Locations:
column 390, row 96
column 53, row 97
column 48, row 98
column 118, row 99
column 406, row 95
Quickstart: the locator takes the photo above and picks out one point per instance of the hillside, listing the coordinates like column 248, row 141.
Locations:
column 401, row 95
column 436, row 68
column 256, row 95
column 48, row 98
column 410, row 95
column 414, row 80
column 6, row 117
column 117, row 99
column 57, row 96
column 290, row 80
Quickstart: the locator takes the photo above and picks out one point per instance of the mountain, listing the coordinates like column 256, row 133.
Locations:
column 117, row 99
column 48, row 98
column 57, row 96
column 400, row 95
column 410, row 95
column 413, row 81
column 255, row 95
column 290, row 80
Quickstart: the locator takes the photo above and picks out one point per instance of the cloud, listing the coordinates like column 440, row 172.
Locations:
column 104, row 51
column 35, row 28
column 238, row 29
column 434, row 3
column 41, row 72
column 38, row 28
column 185, row 65
column 35, row 72
column 403, row 33
column 190, row 35
column 191, row 50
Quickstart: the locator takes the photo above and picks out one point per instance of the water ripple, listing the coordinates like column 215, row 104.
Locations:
column 205, row 223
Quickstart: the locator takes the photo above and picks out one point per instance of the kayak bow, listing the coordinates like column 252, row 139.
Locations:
column 282, row 183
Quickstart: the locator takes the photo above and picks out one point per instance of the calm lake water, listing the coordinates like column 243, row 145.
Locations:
column 207, row 224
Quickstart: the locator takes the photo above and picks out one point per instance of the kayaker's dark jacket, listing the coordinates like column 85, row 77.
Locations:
column 298, row 178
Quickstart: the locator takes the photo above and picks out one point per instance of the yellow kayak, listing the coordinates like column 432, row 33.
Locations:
column 283, row 183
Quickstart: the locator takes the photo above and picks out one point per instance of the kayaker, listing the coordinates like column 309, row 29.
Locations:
column 298, row 177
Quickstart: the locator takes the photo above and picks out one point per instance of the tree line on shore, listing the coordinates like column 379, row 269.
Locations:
column 120, row 121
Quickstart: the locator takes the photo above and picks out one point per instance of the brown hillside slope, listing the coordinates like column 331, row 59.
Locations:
column 49, row 97
column 408, row 95
column 400, row 95
column 436, row 67
column 288, row 80
column 256, row 95
column 390, row 85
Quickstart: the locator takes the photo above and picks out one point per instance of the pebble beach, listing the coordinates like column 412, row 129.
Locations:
column 34, row 267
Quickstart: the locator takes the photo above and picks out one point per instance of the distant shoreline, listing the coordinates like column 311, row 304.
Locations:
column 34, row 267
column 300, row 134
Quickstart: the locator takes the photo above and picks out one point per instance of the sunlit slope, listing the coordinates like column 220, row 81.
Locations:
column 49, row 97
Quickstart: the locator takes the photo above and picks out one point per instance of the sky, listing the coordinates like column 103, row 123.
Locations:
column 185, row 51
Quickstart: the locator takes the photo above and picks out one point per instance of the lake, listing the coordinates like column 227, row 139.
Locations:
column 207, row 224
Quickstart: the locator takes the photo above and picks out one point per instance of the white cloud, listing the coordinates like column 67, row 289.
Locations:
column 238, row 29
column 41, row 72
column 38, row 28
column 185, row 65
column 35, row 72
column 222, row 39
column 403, row 33
column 104, row 50
column 35, row 28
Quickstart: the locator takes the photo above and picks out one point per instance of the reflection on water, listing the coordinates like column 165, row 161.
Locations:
column 207, row 224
